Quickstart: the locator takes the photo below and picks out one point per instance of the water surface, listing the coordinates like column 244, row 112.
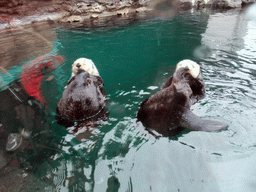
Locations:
column 134, row 61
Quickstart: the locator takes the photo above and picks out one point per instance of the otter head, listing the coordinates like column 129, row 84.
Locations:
column 84, row 64
column 194, row 78
column 194, row 68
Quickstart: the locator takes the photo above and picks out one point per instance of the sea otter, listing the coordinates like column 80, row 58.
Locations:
column 84, row 99
column 168, row 111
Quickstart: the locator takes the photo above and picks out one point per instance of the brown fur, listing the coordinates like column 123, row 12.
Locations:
column 163, row 111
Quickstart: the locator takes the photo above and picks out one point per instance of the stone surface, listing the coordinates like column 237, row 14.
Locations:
column 71, row 9
column 71, row 19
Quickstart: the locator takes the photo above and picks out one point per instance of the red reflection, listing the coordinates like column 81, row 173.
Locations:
column 34, row 71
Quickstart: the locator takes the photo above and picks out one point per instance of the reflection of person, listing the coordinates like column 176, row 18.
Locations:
column 33, row 73
column 20, row 112
column 8, row 119
column 74, row 170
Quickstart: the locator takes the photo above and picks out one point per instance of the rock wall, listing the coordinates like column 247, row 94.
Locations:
column 24, row 7
column 77, row 10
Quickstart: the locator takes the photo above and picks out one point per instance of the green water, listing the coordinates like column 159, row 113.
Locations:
column 133, row 62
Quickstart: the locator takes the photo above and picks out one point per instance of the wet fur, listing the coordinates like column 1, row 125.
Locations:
column 168, row 111
column 83, row 100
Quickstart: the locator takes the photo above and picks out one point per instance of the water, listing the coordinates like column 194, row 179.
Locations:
column 134, row 61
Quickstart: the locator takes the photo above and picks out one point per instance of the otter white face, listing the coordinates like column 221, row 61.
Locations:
column 194, row 68
column 85, row 64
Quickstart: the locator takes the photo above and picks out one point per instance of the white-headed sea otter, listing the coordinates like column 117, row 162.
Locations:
column 83, row 100
column 168, row 111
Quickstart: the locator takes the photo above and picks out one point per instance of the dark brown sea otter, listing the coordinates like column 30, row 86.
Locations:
column 83, row 100
column 168, row 111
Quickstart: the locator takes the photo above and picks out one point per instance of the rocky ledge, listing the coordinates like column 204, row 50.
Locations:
column 71, row 11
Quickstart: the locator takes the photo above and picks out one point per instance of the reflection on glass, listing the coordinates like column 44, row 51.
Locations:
column 121, row 155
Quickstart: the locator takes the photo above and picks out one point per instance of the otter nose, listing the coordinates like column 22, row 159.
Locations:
column 78, row 65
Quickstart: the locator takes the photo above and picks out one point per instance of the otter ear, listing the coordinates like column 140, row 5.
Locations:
column 194, row 68
column 191, row 121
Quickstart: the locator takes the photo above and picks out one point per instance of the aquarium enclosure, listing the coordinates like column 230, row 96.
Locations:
column 135, row 54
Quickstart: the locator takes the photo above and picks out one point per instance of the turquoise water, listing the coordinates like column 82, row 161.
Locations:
column 133, row 62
